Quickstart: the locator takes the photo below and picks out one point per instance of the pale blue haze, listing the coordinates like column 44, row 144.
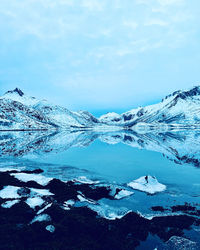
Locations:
column 99, row 55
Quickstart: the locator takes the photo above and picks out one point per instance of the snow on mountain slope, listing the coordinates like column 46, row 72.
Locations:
column 181, row 107
column 59, row 116
column 112, row 116
column 19, row 111
column 18, row 96
column 16, row 116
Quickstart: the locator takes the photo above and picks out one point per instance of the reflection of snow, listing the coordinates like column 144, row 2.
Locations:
column 147, row 184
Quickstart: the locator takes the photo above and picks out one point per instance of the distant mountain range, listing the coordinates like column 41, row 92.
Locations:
column 181, row 107
column 21, row 112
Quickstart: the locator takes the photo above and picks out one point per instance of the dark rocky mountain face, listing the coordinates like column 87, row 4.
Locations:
column 16, row 90
column 184, row 94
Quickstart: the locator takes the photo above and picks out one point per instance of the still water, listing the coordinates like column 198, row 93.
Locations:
column 119, row 158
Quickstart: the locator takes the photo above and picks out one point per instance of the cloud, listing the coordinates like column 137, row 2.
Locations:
column 170, row 2
column 124, row 52
column 151, row 46
column 66, row 2
column 44, row 42
column 158, row 22
column 146, row 2
column 93, row 5
column 130, row 24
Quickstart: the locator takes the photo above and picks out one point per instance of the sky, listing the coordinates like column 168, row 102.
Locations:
column 99, row 55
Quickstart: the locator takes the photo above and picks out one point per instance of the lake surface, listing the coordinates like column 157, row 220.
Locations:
column 115, row 160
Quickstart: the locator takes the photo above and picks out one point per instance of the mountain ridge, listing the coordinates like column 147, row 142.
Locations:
column 21, row 112
column 180, row 107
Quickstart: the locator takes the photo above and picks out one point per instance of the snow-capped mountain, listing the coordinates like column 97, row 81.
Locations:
column 17, row 116
column 181, row 107
column 21, row 112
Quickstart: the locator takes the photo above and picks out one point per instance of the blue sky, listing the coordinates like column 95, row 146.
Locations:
column 99, row 54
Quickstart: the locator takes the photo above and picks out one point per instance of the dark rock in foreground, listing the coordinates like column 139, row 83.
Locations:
column 51, row 226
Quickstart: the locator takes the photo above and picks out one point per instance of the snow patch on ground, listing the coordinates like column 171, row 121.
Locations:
column 67, row 204
column 9, row 204
column 176, row 243
column 122, row 194
column 50, row 228
column 40, row 192
column 34, row 202
column 43, row 209
column 40, row 218
column 9, row 192
column 85, row 180
column 157, row 215
column 83, row 199
column 108, row 212
column 7, row 169
column 147, row 184
column 40, row 179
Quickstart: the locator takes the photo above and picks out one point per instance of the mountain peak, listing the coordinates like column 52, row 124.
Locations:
column 183, row 94
column 16, row 90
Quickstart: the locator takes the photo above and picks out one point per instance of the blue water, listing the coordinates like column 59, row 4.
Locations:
column 119, row 164
column 122, row 163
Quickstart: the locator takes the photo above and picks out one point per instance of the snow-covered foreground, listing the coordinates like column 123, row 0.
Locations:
column 39, row 207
